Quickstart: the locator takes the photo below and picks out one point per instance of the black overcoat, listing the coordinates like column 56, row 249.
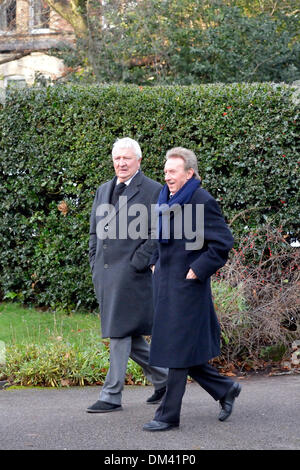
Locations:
column 186, row 330
column 120, row 266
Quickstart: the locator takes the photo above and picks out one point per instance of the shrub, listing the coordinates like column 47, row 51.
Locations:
column 55, row 147
column 56, row 364
column 260, row 312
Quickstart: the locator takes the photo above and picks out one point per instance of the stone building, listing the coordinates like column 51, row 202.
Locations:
column 28, row 29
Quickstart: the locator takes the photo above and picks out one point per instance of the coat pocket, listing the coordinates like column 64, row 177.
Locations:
column 192, row 281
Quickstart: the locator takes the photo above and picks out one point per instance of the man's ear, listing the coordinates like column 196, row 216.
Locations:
column 190, row 173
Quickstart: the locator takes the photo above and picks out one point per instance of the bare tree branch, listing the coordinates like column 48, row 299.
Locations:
column 74, row 12
column 245, row 211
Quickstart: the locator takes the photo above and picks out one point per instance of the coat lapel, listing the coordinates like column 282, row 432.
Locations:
column 107, row 191
column 132, row 189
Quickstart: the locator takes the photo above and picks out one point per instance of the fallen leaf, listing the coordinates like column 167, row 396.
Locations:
column 65, row 382
column 63, row 208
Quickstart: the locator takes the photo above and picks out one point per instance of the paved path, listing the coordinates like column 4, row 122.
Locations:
column 266, row 417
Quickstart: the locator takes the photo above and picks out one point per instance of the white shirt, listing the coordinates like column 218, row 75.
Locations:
column 128, row 181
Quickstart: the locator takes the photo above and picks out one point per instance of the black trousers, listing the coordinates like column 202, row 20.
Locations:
column 207, row 377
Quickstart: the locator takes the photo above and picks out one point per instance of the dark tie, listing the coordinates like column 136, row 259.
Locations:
column 118, row 190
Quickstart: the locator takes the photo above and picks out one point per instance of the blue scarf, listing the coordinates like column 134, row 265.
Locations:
column 181, row 197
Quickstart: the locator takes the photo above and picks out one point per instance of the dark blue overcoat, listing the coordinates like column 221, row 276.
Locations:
column 186, row 330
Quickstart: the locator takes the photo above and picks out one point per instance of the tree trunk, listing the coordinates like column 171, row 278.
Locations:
column 74, row 12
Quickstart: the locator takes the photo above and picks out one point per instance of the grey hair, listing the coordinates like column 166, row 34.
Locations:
column 127, row 143
column 188, row 157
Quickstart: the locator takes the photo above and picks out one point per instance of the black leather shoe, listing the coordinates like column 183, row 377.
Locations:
column 228, row 400
column 158, row 426
column 157, row 396
column 103, row 407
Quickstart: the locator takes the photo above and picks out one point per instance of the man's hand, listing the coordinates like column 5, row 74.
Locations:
column 191, row 275
column 152, row 267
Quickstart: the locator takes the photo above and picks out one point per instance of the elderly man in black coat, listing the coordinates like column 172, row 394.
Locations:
column 186, row 332
column 119, row 259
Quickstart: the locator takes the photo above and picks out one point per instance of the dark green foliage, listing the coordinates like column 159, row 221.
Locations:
column 188, row 42
column 55, row 145
column 239, row 48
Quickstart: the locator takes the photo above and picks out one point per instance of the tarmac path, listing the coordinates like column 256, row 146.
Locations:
column 266, row 416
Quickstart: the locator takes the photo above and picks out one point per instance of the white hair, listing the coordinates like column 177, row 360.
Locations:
column 127, row 143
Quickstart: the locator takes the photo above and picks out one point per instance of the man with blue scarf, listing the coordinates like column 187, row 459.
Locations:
column 186, row 331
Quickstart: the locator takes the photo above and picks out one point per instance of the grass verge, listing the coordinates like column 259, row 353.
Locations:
column 54, row 349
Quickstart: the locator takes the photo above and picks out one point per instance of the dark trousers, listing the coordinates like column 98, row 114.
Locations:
column 207, row 377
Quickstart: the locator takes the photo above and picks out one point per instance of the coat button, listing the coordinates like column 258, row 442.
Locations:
column 104, row 247
column 106, row 266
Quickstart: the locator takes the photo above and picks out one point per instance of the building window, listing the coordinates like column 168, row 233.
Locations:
column 40, row 15
column 8, row 15
column 15, row 81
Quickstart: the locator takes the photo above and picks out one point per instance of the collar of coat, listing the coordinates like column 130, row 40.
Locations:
column 131, row 190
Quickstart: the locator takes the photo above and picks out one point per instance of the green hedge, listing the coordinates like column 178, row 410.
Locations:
column 55, row 146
